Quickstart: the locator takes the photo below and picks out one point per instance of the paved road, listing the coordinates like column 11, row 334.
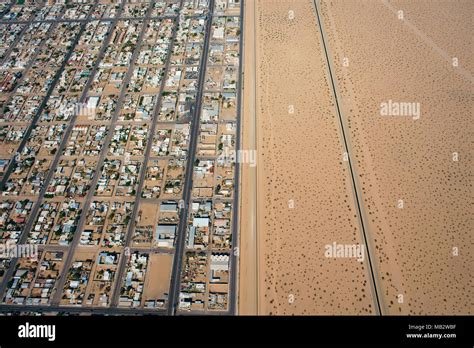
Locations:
column 65, row 139
column 100, row 162
column 36, row 206
column 356, row 190
column 32, row 60
column 34, row 121
column 80, row 310
column 181, row 235
column 234, row 261
column 141, row 180
column 179, row 253
column 13, row 45
column 104, row 19
column 7, row 9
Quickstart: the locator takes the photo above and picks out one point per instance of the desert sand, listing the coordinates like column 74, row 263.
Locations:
column 158, row 278
column 304, row 197
column 405, row 195
column 248, row 270
column 424, row 249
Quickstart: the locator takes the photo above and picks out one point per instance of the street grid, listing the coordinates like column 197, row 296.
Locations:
column 70, row 250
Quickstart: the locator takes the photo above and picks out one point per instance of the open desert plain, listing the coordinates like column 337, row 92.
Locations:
column 305, row 198
column 414, row 168
column 361, row 116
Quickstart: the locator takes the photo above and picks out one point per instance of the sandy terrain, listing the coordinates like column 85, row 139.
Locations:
column 412, row 171
column 248, row 277
column 402, row 158
column 305, row 199
column 158, row 277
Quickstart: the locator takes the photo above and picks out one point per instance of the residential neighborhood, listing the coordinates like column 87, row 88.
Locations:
column 114, row 117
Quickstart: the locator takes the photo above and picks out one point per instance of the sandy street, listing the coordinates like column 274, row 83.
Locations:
column 248, row 272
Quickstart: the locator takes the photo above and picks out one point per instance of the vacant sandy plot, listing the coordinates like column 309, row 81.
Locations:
column 415, row 174
column 305, row 198
column 157, row 283
column 148, row 214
